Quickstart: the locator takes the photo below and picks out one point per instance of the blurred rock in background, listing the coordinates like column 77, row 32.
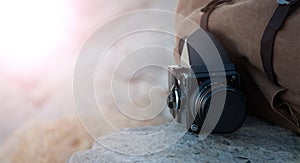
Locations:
column 40, row 44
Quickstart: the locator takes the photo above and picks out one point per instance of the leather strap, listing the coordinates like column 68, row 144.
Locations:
column 267, row 43
column 207, row 10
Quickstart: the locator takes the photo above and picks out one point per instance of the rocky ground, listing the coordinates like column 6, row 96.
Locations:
column 256, row 141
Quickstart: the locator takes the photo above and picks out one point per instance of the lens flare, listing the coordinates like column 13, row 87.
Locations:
column 30, row 32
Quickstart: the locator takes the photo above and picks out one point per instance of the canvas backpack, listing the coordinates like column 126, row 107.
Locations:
column 262, row 37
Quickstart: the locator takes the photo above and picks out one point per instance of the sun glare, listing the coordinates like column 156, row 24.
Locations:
column 30, row 32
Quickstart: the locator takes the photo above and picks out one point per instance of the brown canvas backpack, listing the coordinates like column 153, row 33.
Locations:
column 245, row 28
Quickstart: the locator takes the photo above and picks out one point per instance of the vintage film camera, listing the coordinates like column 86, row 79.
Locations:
column 192, row 87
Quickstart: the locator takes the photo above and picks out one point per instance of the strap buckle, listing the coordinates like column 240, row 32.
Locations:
column 285, row 2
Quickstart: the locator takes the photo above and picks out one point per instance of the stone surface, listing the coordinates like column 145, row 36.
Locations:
column 256, row 141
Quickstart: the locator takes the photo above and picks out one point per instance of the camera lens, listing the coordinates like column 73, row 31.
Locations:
column 233, row 113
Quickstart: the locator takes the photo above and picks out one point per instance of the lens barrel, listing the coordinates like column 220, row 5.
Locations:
column 234, row 111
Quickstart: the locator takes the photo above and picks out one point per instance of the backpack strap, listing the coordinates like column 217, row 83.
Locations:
column 207, row 10
column 285, row 8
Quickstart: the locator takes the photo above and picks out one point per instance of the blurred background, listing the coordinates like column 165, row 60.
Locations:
column 40, row 41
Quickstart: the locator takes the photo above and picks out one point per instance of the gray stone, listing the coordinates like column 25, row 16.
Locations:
column 256, row 141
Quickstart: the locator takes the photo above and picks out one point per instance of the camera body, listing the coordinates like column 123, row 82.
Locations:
column 192, row 88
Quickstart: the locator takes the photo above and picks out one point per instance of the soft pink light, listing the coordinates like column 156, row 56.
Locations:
column 31, row 32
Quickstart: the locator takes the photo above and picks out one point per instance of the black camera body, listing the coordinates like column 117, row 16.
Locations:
column 192, row 88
